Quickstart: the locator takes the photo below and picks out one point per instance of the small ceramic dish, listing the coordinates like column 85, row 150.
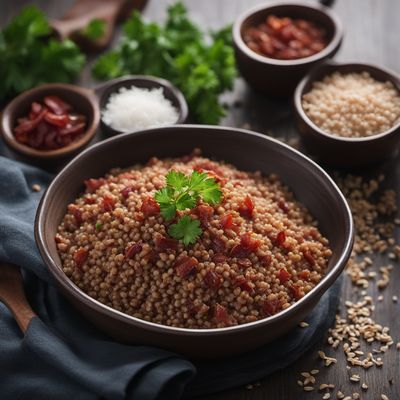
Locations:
column 82, row 100
column 280, row 77
column 172, row 93
column 345, row 151
column 86, row 101
column 310, row 184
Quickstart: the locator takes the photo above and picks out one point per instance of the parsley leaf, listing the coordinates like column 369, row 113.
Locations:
column 177, row 180
column 201, row 65
column 186, row 229
column 205, row 187
column 26, row 41
column 95, row 29
column 167, row 204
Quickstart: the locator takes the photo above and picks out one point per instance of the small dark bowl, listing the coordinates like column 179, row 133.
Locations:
column 340, row 151
column 310, row 184
column 279, row 77
column 172, row 93
column 82, row 100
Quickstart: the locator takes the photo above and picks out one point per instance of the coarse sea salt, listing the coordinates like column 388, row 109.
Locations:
column 135, row 108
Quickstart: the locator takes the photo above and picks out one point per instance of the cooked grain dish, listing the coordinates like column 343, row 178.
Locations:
column 259, row 250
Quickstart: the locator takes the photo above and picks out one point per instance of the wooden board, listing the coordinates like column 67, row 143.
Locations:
column 372, row 35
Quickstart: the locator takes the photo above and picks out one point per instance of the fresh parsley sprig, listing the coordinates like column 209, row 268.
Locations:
column 182, row 192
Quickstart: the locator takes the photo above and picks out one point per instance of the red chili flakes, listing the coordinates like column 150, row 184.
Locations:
column 246, row 246
column 50, row 125
column 204, row 212
column 221, row 314
column 219, row 258
column 93, row 184
column 149, row 207
column 132, row 250
column 309, row 257
column 212, row 280
column 185, row 265
column 80, row 257
column 165, row 244
column 271, row 307
column 108, row 203
column 244, row 284
column 295, row 291
column 283, row 275
column 246, row 209
column 286, row 38
column 125, row 192
column 305, row 274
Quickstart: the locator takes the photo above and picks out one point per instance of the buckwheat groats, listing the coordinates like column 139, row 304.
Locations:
column 259, row 250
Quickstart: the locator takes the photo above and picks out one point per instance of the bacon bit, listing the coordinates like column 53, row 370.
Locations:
column 309, row 257
column 204, row 212
column 93, row 184
column 271, row 307
column 136, row 248
column 76, row 212
column 246, row 246
column 212, row 280
column 280, row 238
column 221, row 315
column 80, row 257
column 246, row 209
column 56, row 105
column 243, row 283
column 295, row 291
column 283, row 206
column 244, row 263
column 164, row 244
column 219, row 258
column 149, row 207
column 125, row 192
column 108, row 203
column 283, row 275
column 305, row 274
column 226, row 222
column 185, row 265
column 89, row 200
column 151, row 256
column 265, row 260
column 197, row 309
column 211, row 169
column 218, row 245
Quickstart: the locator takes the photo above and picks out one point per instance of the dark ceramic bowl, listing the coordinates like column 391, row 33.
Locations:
column 82, row 100
column 280, row 77
column 248, row 151
column 343, row 151
column 172, row 93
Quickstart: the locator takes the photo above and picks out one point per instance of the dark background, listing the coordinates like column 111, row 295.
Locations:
column 372, row 34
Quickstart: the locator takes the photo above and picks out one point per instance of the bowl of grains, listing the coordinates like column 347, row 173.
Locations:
column 200, row 251
column 277, row 44
column 136, row 102
column 349, row 114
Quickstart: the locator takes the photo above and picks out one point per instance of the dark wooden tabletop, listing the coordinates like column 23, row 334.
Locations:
column 372, row 33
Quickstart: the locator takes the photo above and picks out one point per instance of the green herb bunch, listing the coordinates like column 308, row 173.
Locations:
column 201, row 65
column 29, row 56
column 183, row 192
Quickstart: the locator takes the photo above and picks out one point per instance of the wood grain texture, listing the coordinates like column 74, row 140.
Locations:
column 372, row 35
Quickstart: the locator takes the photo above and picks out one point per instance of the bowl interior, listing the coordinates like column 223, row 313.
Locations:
column 296, row 11
column 326, row 69
column 145, row 82
column 79, row 99
column 246, row 150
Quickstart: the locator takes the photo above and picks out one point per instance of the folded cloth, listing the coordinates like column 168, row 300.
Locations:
column 62, row 356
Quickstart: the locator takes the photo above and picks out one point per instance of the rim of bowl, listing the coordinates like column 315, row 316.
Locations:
column 106, row 90
column 299, row 92
column 7, row 128
column 57, row 272
column 334, row 42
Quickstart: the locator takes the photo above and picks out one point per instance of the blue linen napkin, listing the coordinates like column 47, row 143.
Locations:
column 62, row 356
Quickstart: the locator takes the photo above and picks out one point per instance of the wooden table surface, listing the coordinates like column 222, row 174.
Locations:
column 372, row 35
